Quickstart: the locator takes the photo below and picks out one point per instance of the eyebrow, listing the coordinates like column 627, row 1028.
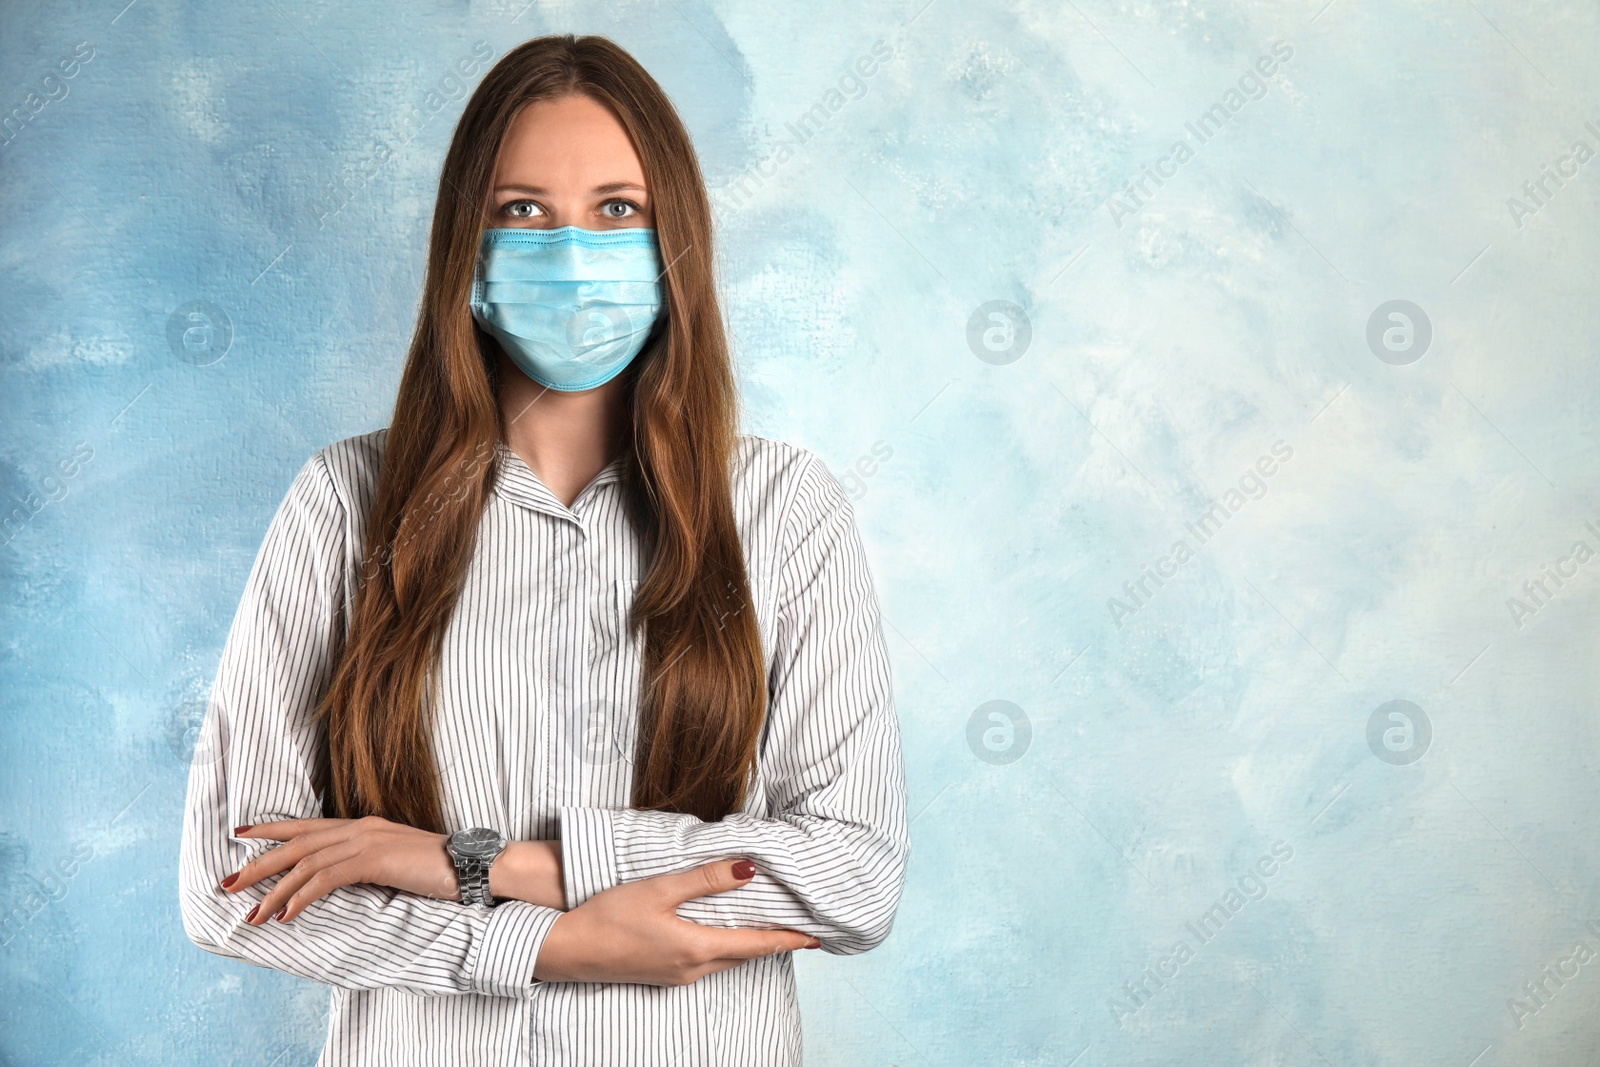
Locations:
column 610, row 187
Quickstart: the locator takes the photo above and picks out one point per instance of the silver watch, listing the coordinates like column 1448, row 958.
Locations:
column 473, row 852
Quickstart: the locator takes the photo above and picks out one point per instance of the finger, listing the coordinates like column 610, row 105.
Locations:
column 727, row 963
column 284, row 856
column 334, row 870
column 718, row 877
column 284, row 829
column 745, row 943
column 301, row 884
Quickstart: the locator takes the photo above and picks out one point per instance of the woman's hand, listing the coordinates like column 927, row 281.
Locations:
column 632, row 933
column 320, row 855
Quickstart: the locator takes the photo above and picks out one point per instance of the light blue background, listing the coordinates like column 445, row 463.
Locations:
column 187, row 160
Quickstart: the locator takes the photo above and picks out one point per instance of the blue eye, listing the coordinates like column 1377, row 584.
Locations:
column 521, row 209
column 630, row 209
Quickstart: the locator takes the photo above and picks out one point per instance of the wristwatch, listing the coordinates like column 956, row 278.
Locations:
column 473, row 852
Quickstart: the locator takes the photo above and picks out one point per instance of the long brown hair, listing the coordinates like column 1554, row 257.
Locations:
column 703, row 695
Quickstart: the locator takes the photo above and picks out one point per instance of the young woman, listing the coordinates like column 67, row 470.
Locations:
column 557, row 714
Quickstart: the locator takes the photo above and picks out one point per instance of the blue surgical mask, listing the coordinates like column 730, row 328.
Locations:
column 571, row 307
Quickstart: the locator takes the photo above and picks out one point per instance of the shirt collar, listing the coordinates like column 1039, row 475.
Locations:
column 516, row 482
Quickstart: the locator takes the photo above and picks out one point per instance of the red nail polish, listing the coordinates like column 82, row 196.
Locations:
column 242, row 829
column 232, row 878
column 744, row 869
column 252, row 916
column 814, row 944
column 281, row 913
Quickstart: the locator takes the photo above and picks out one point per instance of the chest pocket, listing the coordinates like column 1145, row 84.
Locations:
column 605, row 729
column 623, row 593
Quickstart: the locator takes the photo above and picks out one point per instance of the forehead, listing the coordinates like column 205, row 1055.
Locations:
column 573, row 141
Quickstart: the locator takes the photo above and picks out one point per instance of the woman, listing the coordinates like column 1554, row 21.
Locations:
column 557, row 714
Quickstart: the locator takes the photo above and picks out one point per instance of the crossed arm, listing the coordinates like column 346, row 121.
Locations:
column 631, row 933
column 625, row 894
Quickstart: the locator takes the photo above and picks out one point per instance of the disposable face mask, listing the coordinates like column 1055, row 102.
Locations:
column 571, row 307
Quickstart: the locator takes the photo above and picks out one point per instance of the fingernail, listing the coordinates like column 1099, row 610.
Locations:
column 232, row 878
column 281, row 913
column 242, row 829
column 814, row 943
column 252, row 916
column 744, row 869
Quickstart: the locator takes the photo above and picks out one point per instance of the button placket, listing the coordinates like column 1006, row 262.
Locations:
column 625, row 674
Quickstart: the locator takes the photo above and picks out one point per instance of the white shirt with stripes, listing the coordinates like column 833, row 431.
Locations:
column 534, row 733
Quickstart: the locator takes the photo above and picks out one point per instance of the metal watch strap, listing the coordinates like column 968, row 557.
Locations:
column 473, row 875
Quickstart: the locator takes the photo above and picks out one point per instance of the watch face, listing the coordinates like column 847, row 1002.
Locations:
column 477, row 843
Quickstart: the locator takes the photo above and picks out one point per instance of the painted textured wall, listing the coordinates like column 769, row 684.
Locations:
column 1210, row 377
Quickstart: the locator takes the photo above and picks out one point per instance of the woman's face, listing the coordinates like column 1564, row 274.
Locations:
column 568, row 162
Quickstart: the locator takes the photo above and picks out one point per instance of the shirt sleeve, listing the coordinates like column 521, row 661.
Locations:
column 831, row 858
column 253, row 763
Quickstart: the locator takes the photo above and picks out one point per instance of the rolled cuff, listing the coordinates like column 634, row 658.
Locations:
column 509, row 947
column 588, row 853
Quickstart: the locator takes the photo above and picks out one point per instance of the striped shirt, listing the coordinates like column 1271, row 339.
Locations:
column 533, row 732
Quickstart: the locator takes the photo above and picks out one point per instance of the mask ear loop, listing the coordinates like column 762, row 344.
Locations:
column 475, row 299
column 475, row 307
